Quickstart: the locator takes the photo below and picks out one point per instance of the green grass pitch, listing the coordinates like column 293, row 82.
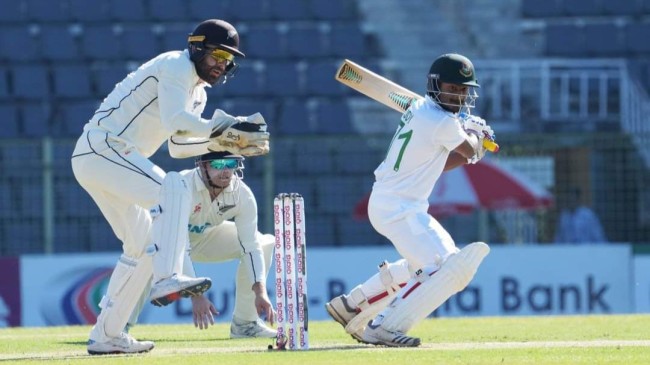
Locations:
column 613, row 339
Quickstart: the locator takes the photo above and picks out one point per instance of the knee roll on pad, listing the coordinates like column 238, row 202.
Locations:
column 426, row 293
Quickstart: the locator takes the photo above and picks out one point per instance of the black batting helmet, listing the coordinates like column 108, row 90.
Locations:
column 215, row 33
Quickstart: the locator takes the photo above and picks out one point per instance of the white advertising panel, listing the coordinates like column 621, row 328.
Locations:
column 513, row 280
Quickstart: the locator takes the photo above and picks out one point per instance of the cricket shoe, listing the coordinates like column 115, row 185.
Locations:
column 247, row 329
column 377, row 335
column 340, row 310
column 123, row 344
column 176, row 286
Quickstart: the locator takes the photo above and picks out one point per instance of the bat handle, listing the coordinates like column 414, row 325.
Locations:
column 490, row 146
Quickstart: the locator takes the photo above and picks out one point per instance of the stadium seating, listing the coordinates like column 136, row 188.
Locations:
column 306, row 41
column 604, row 40
column 320, row 79
column 623, row 7
column 295, row 118
column 248, row 10
column 106, row 76
column 7, row 197
column 101, row 42
column 168, row 10
column 21, row 238
column 314, row 158
column 139, row 42
column 287, row 10
column 333, row 10
column 72, row 53
column 30, row 81
column 13, row 11
column 71, row 81
column 267, row 41
column 127, row 10
column 72, row 116
column 26, row 36
column 4, row 84
column 200, row 10
column 101, row 235
column 637, row 39
column 284, row 78
column 35, row 120
column 59, row 43
column 347, row 40
column 541, row 9
column 582, row 8
column 9, row 118
column 31, row 195
column 565, row 40
column 89, row 11
column 47, row 11
column 320, row 233
column 333, row 117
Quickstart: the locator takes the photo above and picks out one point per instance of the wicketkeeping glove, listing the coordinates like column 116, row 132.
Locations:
column 246, row 136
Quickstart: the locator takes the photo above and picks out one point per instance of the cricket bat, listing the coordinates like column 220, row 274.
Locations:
column 384, row 91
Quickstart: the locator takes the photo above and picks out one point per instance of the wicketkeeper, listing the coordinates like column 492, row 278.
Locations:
column 162, row 100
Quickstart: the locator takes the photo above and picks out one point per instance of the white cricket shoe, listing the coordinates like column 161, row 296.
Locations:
column 124, row 344
column 340, row 310
column 176, row 286
column 247, row 329
column 377, row 335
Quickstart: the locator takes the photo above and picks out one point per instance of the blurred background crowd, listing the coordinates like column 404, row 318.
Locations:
column 564, row 86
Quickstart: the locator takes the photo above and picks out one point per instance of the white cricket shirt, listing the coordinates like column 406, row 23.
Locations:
column 163, row 97
column 207, row 214
column 418, row 152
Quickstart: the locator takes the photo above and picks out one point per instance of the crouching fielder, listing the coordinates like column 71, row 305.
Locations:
column 223, row 227
column 432, row 137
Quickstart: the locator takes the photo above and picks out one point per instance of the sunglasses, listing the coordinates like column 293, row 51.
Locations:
column 222, row 56
column 224, row 164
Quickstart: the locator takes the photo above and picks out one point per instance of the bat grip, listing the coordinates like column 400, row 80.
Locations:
column 490, row 146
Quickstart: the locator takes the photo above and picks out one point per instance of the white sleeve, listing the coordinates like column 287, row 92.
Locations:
column 174, row 91
column 184, row 147
column 246, row 222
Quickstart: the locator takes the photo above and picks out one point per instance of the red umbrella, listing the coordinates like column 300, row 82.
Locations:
column 486, row 185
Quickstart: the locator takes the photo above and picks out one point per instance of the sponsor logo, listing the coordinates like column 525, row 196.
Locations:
column 466, row 70
column 75, row 296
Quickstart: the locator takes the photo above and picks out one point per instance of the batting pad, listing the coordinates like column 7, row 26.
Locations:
column 169, row 229
column 375, row 294
column 424, row 294
column 128, row 281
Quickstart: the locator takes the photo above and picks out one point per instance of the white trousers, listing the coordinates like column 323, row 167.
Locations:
column 417, row 236
column 123, row 184
column 221, row 243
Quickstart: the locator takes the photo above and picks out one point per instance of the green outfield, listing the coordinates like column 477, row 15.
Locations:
column 495, row 340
